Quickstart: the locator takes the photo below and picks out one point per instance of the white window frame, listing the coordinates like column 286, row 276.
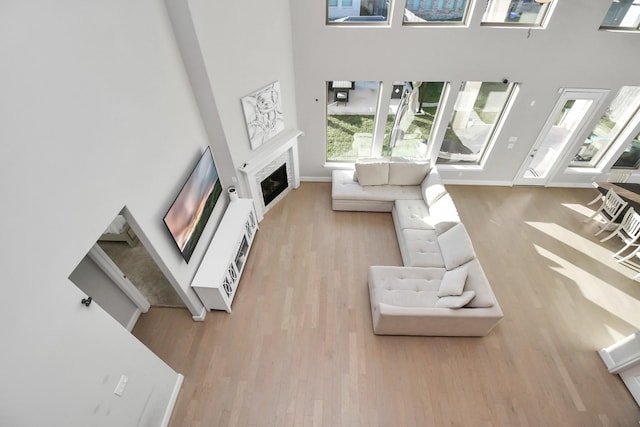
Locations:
column 550, row 7
column 466, row 17
column 495, row 133
column 385, row 88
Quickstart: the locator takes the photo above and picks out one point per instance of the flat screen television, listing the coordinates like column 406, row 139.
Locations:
column 190, row 211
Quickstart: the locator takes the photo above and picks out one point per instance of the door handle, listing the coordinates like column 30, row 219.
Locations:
column 87, row 301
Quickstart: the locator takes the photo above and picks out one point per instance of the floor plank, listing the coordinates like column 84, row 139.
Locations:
column 299, row 349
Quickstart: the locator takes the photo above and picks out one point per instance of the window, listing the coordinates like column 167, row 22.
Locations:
column 602, row 137
column 351, row 109
column 429, row 12
column 358, row 11
column 412, row 111
column 622, row 15
column 529, row 13
column 630, row 158
column 478, row 110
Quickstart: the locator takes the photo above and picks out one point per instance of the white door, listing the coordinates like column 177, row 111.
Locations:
column 101, row 279
column 559, row 136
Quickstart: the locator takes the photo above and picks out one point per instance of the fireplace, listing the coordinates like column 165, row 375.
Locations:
column 274, row 184
column 272, row 172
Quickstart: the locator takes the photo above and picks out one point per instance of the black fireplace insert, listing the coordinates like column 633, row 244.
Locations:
column 274, row 184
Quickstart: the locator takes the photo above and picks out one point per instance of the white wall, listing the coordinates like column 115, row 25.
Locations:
column 97, row 113
column 571, row 52
column 245, row 46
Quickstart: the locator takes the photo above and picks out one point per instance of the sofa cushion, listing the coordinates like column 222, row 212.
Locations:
column 372, row 171
column 403, row 287
column 433, row 193
column 408, row 172
column 453, row 282
column 416, row 214
column 456, row 301
column 422, row 248
column 431, row 187
column 478, row 282
column 456, row 246
column 343, row 187
column 412, row 214
column 443, row 213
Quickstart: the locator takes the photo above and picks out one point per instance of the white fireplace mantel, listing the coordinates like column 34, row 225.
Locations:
column 264, row 157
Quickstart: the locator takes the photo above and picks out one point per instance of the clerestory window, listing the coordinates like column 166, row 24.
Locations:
column 525, row 13
column 360, row 12
column 436, row 12
column 622, row 15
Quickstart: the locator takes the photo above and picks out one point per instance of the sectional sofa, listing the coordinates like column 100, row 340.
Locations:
column 441, row 290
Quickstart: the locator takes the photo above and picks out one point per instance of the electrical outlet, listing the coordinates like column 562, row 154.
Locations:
column 510, row 146
column 121, row 385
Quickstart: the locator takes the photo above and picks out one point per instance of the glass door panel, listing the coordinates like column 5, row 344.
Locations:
column 622, row 109
column 560, row 133
column 557, row 137
column 630, row 158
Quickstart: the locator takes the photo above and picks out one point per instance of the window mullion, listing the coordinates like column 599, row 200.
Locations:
column 382, row 111
column 445, row 111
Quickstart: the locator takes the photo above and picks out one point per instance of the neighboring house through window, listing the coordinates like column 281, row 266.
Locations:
column 527, row 13
column 349, row 12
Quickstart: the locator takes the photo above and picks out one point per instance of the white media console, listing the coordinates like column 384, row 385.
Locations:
column 217, row 278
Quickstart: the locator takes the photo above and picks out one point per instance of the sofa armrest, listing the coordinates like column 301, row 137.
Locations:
column 432, row 187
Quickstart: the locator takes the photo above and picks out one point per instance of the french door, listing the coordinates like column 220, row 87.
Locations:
column 559, row 136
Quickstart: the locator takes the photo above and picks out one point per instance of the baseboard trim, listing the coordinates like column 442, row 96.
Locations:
column 571, row 185
column 470, row 182
column 315, row 178
column 200, row 317
column 172, row 401
column 474, row 182
column 134, row 319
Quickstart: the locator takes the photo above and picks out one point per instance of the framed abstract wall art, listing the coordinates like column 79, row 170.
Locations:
column 263, row 114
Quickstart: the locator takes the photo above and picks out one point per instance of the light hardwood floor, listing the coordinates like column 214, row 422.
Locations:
column 298, row 349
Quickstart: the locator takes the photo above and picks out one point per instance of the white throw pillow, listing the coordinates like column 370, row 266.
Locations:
column 408, row 172
column 453, row 282
column 433, row 193
column 372, row 172
column 456, row 247
column 456, row 301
